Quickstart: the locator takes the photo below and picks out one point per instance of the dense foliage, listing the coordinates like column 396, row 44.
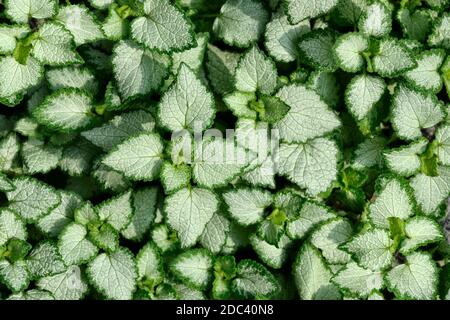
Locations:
column 118, row 180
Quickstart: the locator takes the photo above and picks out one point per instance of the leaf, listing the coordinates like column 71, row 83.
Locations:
column 415, row 25
column 430, row 192
column 149, row 264
column 369, row 153
column 363, row 93
column 371, row 249
column 272, row 255
column 9, row 36
column 393, row 199
column 420, row 231
column 358, row 281
column 326, row 84
column 21, row 10
column 311, row 165
column 443, row 144
column 316, row 48
column 76, row 158
column 32, row 198
column 221, row 66
column 215, row 234
column 114, row 274
column 298, row 10
column 426, row 75
column 18, row 78
column 192, row 57
column 119, row 128
column 44, row 260
column 256, row 72
column 116, row 211
column 9, row 149
column 14, row 275
column 392, row 58
column 327, row 238
column 405, row 160
column 310, row 215
column 54, row 222
column 11, row 227
column 254, row 281
column 68, row 285
column 104, row 237
column 309, row 117
column 138, row 71
column 163, row 28
column 73, row 245
column 72, row 77
column 236, row 16
column 114, row 27
column 349, row 49
column 281, row 37
column 218, row 161
column 32, row 294
column 348, row 12
column 187, row 104
column 193, row 267
column 188, row 211
column 312, row 276
column 413, row 110
column 239, row 104
column 263, row 175
column 376, row 21
column 138, row 158
column 246, row 206
column 66, row 110
column 144, row 206
column 81, row 23
column 166, row 240
column 54, row 46
column 416, row 279
column 440, row 35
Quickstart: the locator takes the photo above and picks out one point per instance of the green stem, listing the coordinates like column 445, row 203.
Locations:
column 367, row 56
